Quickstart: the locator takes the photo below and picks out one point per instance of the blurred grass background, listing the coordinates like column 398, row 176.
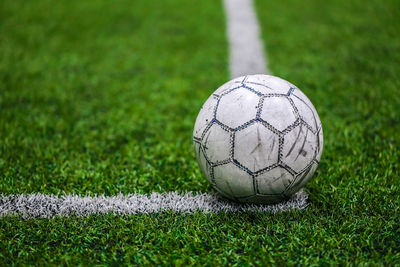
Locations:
column 101, row 97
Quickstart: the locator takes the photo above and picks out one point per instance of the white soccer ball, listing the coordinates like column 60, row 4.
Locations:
column 258, row 139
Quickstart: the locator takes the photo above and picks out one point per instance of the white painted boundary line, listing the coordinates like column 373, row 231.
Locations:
column 47, row 206
column 246, row 48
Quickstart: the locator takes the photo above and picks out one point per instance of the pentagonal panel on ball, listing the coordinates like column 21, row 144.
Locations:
column 216, row 143
column 278, row 112
column 205, row 167
column 274, row 181
column 234, row 181
column 256, row 147
column 271, row 84
column 299, row 148
column 237, row 107
column 205, row 116
column 301, row 179
column 306, row 110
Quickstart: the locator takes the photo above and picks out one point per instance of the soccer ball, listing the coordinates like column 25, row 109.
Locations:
column 258, row 139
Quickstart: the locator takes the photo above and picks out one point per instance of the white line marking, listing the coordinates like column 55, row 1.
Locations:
column 246, row 49
column 47, row 206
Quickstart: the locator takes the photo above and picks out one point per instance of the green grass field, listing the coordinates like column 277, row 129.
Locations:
column 100, row 97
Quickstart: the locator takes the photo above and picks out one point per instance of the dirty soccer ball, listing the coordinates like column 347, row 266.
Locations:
column 258, row 139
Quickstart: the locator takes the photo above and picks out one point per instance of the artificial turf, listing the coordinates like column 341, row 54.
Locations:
column 100, row 97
